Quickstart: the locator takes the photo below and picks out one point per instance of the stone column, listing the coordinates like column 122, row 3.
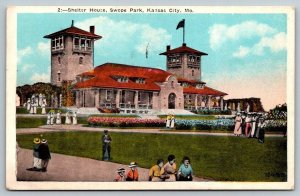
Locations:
column 196, row 102
column 118, row 98
column 221, row 102
column 136, row 97
column 209, row 101
column 97, row 102
column 77, row 99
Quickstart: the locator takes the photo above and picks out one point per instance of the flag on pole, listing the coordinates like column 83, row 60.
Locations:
column 180, row 24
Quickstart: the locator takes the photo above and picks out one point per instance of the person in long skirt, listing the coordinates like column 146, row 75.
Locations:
column 68, row 118
column 172, row 122
column 168, row 121
column 48, row 118
column 52, row 114
column 248, row 125
column 106, row 141
column 170, row 169
column 28, row 104
column 156, row 172
column 74, row 118
column 254, row 123
column 238, row 125
column 43, row 106
column 261, row 135
column 259, row 126
column 58, row 118
column 35, row 106
column 31, row 106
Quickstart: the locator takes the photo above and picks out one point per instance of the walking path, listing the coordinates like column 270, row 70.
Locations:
column 80, row 127
column 71, row 168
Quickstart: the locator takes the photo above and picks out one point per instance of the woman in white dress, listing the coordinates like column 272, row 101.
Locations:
column 31, row 106
column 48, row 118
column 58, row 118
column 52, row 114
column 238, row 125
column 74, row 118
column 172, row 123
column 254, row 119
column 28, row 104
column 68, row 120
column 44, row 107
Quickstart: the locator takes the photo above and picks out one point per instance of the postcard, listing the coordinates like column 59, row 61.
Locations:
column 150, row 98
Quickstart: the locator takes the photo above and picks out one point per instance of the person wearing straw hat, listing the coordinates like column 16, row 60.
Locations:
column 132, row 174
column 44, row 154
column 168, row 121
column 37, row 162
column 120, row 176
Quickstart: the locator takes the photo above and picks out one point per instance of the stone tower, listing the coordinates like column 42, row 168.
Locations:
column 184, row 62
column 72, row 53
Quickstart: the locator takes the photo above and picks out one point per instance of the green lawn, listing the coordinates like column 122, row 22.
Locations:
column 34, row 122
column 190, row 117
column 220, row 158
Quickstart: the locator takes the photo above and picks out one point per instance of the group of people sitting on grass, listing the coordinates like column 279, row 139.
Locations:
column 41, row 155
column 251, row 125
column 53, row 118
column 159, row 172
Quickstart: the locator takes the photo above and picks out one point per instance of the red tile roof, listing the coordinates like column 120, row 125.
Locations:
column 183, row 49
column 203, row 91
column 104, row 77
column 74, row 31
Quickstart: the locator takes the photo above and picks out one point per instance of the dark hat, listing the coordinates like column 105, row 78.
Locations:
column 121, row 170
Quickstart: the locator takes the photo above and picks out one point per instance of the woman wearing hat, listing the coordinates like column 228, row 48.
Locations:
column 156, row 172
column 185, row 171
column 120, row 176
column 44, row 154
column 170, row 169
column 106, row 141
column 238, row 125
column 132, row 174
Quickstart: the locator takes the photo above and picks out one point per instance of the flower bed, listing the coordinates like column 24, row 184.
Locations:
column 125, row 122
column 219, row 124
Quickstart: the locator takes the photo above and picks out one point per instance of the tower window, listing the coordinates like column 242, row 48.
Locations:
column 80, row 60
column 59, row 60
column 193, row 72
column 57, row 43
column 58, row 76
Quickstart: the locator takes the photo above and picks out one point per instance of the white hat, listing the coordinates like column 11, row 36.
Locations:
column 132, row 164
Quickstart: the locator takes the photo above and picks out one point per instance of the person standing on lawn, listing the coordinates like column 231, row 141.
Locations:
column 248, row 124
column 261, row 134
column 28, row 104
column 44, row 154
column 172, row 121
column 68, row 118
column 170, row 169
column 120, row 176
column 58, row 118
column 156, row 172
column 168, row 121
column 43, row 106
column 106, row 148
column 254, row 123
column 133, row 174
column 185, row 171
column 74, row 118
column 37, row 162
column 238, row 125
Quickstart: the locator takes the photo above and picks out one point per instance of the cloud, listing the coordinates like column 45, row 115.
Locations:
column 25, row 67
column 221, row 33
column 118, row 34
column 43, row 48
column 23, row 53
column 38, row 77
column 275, row 44
column 242, row 52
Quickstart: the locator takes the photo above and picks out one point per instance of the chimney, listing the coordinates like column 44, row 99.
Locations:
column 168, row 47
column 184, row 44
column 92, row 29
column 72, row 25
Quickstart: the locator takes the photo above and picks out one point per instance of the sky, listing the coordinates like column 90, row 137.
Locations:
column 247, row 54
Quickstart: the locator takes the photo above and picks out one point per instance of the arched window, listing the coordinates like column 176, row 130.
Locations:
column 80, row 60
column 172, row 84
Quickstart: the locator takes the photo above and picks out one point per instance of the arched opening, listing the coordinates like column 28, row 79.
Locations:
column 171, row 101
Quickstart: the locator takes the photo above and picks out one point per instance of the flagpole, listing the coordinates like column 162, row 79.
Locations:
column 183, row 30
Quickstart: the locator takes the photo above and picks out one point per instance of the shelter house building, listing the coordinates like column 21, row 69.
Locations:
column 131, row 89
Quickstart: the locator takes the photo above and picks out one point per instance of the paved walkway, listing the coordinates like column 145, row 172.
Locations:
column 71, row 168
column 79, row 127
